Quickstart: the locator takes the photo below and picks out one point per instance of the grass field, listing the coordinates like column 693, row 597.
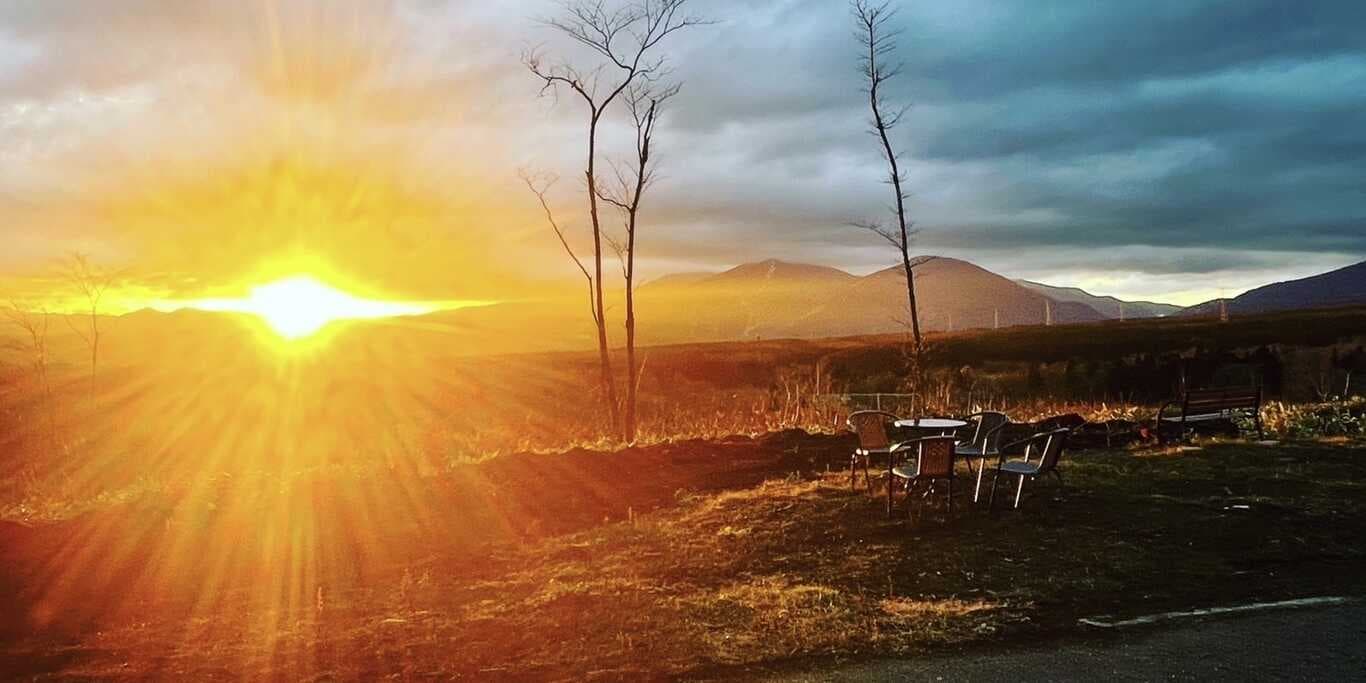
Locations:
column 770, row 575
column 206, row 511
column 201, row 398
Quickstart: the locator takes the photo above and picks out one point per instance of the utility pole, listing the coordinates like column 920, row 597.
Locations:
column 996, row 319
column 1048, row 312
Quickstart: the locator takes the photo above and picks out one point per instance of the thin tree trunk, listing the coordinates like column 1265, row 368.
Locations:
column 904, row 244
column 609, row 386
column 630, row 207
column 633, row 371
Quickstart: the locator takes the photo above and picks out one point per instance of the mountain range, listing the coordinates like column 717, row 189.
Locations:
column 772, row 299
column 1108, row 306
column 776, row 299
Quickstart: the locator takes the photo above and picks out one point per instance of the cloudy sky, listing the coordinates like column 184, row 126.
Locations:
column 1175, row 150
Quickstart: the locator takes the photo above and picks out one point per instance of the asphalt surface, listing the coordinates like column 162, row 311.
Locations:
column 1303, row 644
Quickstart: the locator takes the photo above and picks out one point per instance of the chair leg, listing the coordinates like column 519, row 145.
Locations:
column 950, row 496
column 853, row 472
column 1019, row 491
column 977, row 492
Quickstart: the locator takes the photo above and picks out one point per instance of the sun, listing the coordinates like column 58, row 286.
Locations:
column 300, row 306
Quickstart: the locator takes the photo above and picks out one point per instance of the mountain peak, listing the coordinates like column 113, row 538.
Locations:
column 776, row 270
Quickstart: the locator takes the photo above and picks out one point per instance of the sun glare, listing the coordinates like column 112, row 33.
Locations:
column 300, row 306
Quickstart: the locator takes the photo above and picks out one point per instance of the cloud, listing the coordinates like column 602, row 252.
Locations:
column 1172, row 139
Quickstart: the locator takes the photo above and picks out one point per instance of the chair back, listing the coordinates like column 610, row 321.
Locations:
column 986, row 435
column 935, row 456
column 871, row 428
column 1050, row 445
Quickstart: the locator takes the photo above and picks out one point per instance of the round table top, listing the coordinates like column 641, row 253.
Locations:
column 932, row 423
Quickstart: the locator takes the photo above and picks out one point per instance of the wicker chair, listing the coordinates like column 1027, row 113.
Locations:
column 984, row 443
column 873, row 441
column 934, row 462
column 1046, row 446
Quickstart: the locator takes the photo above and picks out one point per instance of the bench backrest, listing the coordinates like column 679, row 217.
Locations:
column 1205, row 401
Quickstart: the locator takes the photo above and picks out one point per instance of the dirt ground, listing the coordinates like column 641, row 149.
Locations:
column 690, row 559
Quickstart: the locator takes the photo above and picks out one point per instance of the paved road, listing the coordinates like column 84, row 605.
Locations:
column 1316, row 644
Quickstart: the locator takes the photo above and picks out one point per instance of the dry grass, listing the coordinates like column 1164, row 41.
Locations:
column 797, row 568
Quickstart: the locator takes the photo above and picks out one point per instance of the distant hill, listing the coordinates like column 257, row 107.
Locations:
column 767, row 299
column 1341, row 287
column 772, row 299
column 955, row 295
column 1107, row 306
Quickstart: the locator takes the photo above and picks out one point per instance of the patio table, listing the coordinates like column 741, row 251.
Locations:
column 941, row 424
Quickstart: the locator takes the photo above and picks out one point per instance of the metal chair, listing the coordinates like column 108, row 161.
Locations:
column 873, row 440
column 985, row 442
column 1046, row 446
column 934, row 462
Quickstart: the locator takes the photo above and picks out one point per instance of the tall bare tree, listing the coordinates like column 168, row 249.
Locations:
column 878, row 40
column 90, row 282
column 623, row 39
column 645, row 104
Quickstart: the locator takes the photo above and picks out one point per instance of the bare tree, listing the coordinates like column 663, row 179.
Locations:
column 645, row 104
column 878, row 41
column 35, row 321
column 91, row 283
column 623, row 39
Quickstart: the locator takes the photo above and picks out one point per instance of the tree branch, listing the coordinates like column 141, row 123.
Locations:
column 539, row 186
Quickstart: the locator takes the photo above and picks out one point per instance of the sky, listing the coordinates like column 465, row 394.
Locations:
column 1170, row 150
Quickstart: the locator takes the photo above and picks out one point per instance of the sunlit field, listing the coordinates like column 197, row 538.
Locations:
column 187, row 397
column 367, row 480
column 362, row 499
column 670, row 339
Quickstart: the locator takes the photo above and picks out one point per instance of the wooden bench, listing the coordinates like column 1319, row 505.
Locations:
column 1203, row 405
